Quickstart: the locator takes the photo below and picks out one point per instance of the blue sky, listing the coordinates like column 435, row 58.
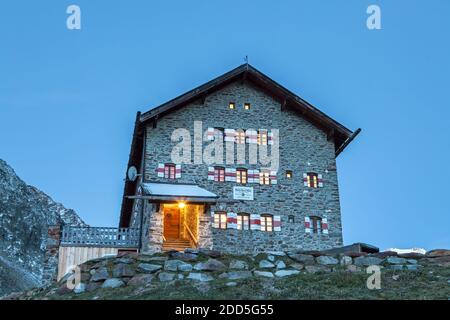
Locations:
column 68, row 99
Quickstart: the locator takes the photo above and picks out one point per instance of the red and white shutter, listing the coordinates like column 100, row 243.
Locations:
column 307, row 225
column 305, row 179
column 215, row 223
column 160, row 170
column 210, row 134
column 255, row 176
column 324, row 226
column 230, row 135
column 276, row 223
column 230, row 174
column 255, row 222
column 177, row 171
column 273, row 177
column 231, row 220
column 249, row 176
column 270, row 138
column 252, row 136
column 319, row 181
column 211, row 173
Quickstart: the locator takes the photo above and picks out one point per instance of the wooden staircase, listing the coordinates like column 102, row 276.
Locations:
column 176, row 244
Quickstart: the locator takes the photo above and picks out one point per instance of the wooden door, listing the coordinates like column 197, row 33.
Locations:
column 171, row 222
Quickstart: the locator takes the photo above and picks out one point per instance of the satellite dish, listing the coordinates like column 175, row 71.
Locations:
column 132, row 173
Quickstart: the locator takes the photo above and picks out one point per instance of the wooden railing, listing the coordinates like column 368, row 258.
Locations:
column 100, row 237
column 191, row 235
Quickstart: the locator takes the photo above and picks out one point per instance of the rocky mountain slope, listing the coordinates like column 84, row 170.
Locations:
column 25, row 213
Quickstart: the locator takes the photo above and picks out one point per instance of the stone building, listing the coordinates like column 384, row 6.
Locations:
column 259, row 175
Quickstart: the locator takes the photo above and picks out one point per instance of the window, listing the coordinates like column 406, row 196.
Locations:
column 243, row 221
column 247, row 106
column 288, row 174
column 266, row 222
column 169, row 171
column 240, row 136
column 232, row 105
column 220, row 220
column 264, row 177
column 291, row 218
column 316, row 224
column 262, row 137
column 219, row 174
column 241, row 176
column 312, row 179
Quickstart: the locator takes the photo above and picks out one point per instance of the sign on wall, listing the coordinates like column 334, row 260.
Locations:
column 243, row 193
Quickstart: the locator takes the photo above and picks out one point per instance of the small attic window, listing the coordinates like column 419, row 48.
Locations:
column 247, row 106
column 288, row 174
column 232, row 105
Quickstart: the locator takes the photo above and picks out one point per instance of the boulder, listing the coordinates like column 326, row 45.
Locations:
column 302, row 258
column 356, row 254
column 238, row 264
column 198, row 276
column 210, row 253
column 188, row 257
column 396, row 267
column 210, row 265
column 266, row 274
column 141, row 280
column 148, row 267
column 353, row 268
column 180, row 276
column 438, row 253
column 412, row 261
column 100, row 274
column 124, row 260
column 297, row 266
column 346, row 260
column 235, row 275
column 413, row 267
column 280, row 264
column 264, row 264
column 123, row 270
column 148, row 258
column 231, row 284
column 92, row 286
column 166, row 276
column 79, row 288
column 327, row 260
column 191, row 250
column 412, row 255
column 277, row 253
column 316, row 268
column 271, row 258
column 113, row 283
column 177, row 265
column 395, row 260
column 286, row 273
column 384, row 254
column 367, row 261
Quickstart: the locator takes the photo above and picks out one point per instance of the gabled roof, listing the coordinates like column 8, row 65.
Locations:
column 287, row 99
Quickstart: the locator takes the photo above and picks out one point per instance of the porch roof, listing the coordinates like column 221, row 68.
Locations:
column 177, row 192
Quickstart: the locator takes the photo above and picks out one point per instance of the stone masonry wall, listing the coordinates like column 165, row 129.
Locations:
column 303, row 148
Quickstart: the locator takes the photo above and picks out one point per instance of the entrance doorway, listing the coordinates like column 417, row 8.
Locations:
column 171, row 222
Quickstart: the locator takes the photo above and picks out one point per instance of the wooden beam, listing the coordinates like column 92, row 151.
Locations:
column 330, row 135
column 155, row 121
column 283, row 105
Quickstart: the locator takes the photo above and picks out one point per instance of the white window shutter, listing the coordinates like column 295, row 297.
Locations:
column 276, row 223
column 210, row 134
column 211, row 173
column 230, row 174
column 307, row 225
column 270, row 138
column 231, row 220
column 213, row 221
column 250, row 176
column 160, row 170
column 255, row 176
column 324, row 226
column 255, row 222
column 251, row 136
column 319, row 181
column 177, row 171
column 305, row 179
column 273, row 177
